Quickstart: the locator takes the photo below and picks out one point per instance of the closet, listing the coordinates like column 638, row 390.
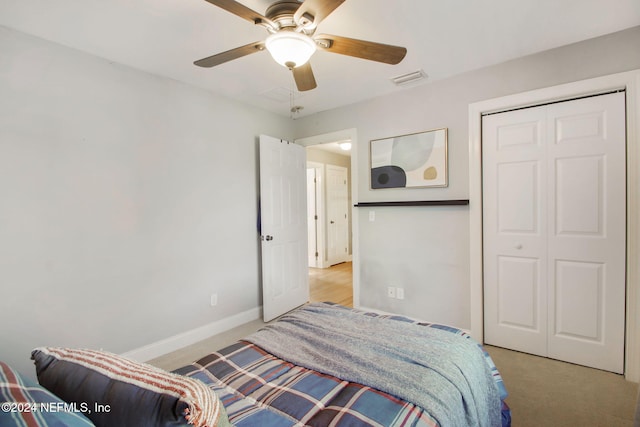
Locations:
column 554, row 230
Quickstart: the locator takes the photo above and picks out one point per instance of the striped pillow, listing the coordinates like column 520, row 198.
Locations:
column 114, row 391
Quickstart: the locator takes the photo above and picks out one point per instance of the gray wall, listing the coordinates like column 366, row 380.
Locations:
column 126, row 200
column 426, row 249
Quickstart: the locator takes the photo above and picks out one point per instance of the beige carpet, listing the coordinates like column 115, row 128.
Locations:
column 545, row 392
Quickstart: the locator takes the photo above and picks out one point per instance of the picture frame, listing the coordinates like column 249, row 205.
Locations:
column 416, row 160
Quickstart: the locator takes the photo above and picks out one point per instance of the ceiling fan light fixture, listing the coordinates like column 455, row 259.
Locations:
column 290, row 49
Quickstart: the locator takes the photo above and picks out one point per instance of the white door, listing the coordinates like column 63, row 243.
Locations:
column 554, row 230
column 514, row 246
column 283, row 206
column 337, row 215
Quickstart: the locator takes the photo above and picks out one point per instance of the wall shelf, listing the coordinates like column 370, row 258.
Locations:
column 457, row 202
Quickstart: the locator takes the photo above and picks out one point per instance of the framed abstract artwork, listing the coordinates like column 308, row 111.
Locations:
column 416, row 160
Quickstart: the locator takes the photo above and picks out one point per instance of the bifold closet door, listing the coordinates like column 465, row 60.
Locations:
column 554, row 215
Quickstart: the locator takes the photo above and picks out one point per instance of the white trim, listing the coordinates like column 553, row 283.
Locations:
column 320, row 211
column 631, row 82
column 341, row 135
column 176, row 342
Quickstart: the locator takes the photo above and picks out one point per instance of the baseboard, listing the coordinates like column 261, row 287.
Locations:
column 176, row 342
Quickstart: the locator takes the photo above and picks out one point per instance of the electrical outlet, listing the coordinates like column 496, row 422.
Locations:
column 400, row 293
column 391, row 292
column 372, row 216
column 214, row 300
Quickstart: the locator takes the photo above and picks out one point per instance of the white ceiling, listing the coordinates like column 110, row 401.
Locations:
column 443, row 38
column 332, row 147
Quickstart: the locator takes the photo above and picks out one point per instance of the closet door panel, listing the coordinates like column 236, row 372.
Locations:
column 587, row 232
column 514, row 223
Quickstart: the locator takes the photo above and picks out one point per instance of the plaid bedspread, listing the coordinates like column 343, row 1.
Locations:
column 26, row 404
column 258, row 389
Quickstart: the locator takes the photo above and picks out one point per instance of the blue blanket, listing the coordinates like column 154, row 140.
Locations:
column 442, row 372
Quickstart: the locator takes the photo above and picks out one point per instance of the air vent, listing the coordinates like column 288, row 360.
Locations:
column 409, row 78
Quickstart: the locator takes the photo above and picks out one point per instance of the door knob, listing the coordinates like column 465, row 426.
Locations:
column 331, row 222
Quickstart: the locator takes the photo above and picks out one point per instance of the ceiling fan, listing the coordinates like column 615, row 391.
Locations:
column 292, row 25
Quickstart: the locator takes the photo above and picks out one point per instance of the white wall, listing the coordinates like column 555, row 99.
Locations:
column 126, row 199
column 425, row 249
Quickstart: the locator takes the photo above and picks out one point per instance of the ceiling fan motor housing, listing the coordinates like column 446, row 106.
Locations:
column 282, row 13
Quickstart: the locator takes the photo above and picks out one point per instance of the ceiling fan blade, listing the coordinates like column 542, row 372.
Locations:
column 243, row 12
column 312, row 12
column 229, row 55
column 361, row 49
column 303, row 75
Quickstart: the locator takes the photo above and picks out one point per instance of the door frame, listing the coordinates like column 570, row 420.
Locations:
column 342, row 135
column 630, row 82
column 320, row 240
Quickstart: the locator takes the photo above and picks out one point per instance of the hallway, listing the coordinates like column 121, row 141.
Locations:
column 333, row 284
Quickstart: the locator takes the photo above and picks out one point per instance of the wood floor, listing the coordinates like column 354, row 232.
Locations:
column 333, row 284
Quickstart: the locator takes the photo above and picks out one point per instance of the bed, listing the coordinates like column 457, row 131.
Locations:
column 325, row 364
column 320, row 365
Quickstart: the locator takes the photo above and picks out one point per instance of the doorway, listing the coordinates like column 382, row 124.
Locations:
column 329, row 222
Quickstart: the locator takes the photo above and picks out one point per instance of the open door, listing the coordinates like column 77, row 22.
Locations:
column 283, row 212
